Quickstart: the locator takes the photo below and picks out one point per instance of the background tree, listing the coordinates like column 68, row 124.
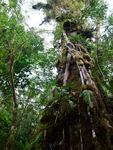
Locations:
column 18, row 54
column 32, row 73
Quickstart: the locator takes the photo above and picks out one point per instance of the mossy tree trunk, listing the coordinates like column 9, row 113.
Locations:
column 78, row 119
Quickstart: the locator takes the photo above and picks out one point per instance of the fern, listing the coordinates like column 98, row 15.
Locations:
column 88, row 96
column 27, row 146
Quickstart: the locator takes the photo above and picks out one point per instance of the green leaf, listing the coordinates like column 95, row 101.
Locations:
column 34, row 142
column 20, row 145
column 60, row 142
column 26, row 143
column 54, row 102
column 10, row 2
column 88, row 97
column 71, row 103
column 51, row 95
column 56, row 93
column 56, row 117
column 50, row 146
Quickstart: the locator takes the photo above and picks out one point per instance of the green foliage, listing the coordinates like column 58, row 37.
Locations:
column 109, row 86
column 27, row 146
column 5, row 125
column 107, row 49
column 25, row 49
column 60, row 142
column 58, row 33
column 95, row 9
column 88, row 96
column 50, row 146
column 60, row 91
column 57, row 114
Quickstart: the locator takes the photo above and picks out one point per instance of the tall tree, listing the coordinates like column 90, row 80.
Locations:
column 78, row 114
column 18, row 55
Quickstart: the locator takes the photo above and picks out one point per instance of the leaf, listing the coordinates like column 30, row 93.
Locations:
column 56, row 93
column 88, row 96
column 111, row 83
column 110, row 86
column 71, row 103
column 26, row 143
column 74, row 87
column 50, row 146
column 54, row 102
column 69, row 85
column 20, row 145
column 53, row 83
column 60, row 142
column 56, row 117
column 51, row 95
column 34, row 142
column 10, row 2
column 53, row 87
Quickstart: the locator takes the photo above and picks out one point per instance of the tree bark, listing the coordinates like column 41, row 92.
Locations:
column 15, row 111
column 78, row 120
column 83, row 128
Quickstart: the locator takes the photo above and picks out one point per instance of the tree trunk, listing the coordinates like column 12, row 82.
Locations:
column 11, row 137
column 77, row 119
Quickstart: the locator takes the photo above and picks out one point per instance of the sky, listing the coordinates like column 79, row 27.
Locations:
column 36, row 17
column 110, row 2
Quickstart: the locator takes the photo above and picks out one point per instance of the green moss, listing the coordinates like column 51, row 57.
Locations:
column 102, row 133
column 65, row 110
column 84, row 87
column 78, row 57
column 92, row 88
column 82, row 48
column 93, row 61
column 64, row 52
column 87, row 56
column 66, row 22
column 10, row 142
column 81, row 52
column 64, row 60
column 50, row 129
column 80, row 63
column 72, row 78
column 72, row 51
column 88, row 64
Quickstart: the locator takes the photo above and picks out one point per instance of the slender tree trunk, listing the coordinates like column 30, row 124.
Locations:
column 15, row 111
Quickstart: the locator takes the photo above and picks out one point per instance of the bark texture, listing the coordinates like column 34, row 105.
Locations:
column 79, row 120
column 9, row 144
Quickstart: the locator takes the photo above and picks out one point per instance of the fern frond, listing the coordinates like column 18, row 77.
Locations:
column 88, row 97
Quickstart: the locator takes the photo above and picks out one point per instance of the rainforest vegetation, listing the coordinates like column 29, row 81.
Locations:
column 70, row 110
